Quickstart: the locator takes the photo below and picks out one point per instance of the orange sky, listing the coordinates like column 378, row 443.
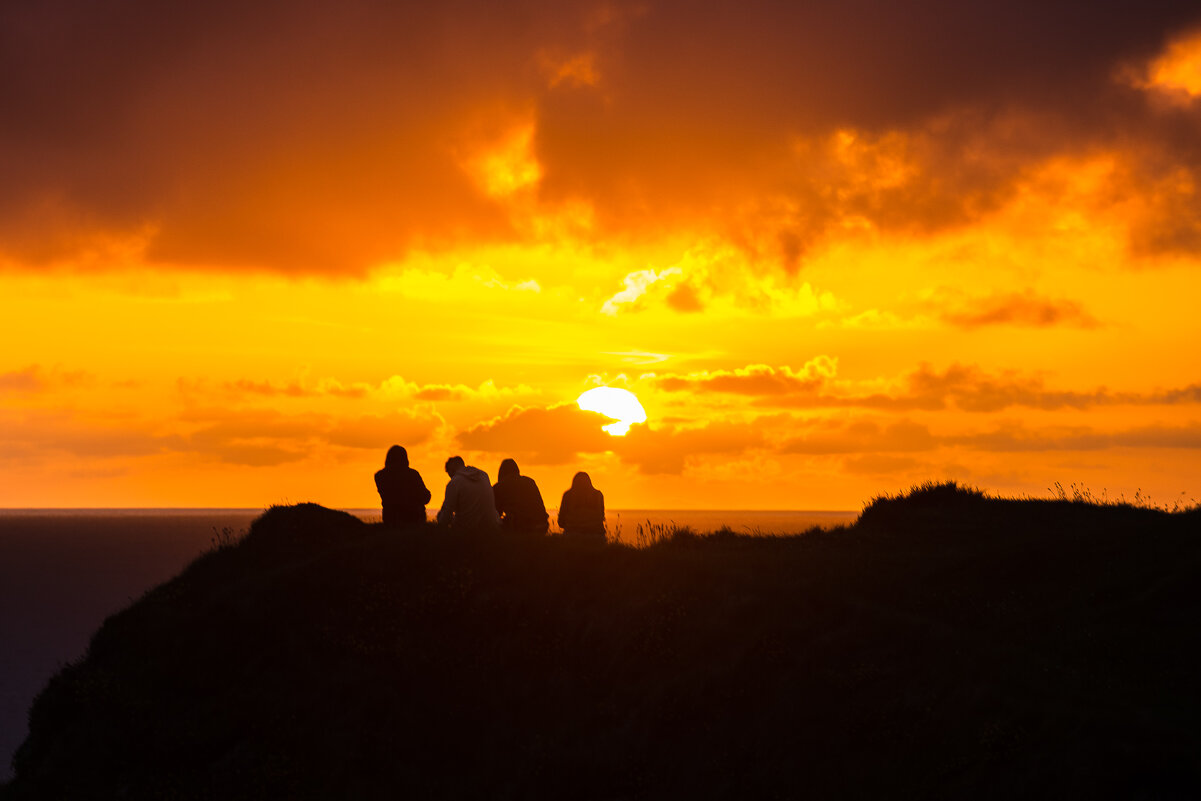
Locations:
column 834, row 250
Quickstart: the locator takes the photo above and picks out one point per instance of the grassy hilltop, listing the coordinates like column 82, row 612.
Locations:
column 946, row 645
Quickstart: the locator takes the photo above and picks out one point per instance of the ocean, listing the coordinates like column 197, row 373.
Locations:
column 63, row 571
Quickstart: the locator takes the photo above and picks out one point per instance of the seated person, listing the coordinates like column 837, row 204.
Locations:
column 518, row 501
column 402, row 493
column 468, row 503
column 582, row 512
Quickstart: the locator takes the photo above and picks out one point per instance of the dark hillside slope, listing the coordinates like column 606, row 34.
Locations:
column 946, row 646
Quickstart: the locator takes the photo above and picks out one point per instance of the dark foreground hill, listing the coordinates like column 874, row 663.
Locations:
column 946, row 646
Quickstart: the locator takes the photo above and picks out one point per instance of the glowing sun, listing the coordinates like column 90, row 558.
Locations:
column 620, row 404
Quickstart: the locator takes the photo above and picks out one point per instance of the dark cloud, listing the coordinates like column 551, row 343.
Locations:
column 872, row 446
column 251, row 454
column 33, row 435
column 960, row 386
column 559, row 434
column 24, row 380
column 666, row 450
column 294, row 136
column 971, row 389
column 36, row 378
column 224, row 425
column 255, row 437
column 1021, row 309
column 1164, row 179
column 264, row 436
column 1189, row 394
column 314, row 137
column 293, row 389
column 439, row 393
column 755, row 379
column 886, row 464
column 198, row 390
column 553, row 435
column 376, row 432
column 1020, row 439
column 705, row 103
column 685, row 298
column 864, row 436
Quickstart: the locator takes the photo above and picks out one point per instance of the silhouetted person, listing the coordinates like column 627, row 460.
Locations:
column 582, row 512
column 518, row 501
column 468, row 502
column 401, row 490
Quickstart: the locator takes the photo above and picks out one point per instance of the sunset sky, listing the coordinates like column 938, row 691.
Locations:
column 835, row 249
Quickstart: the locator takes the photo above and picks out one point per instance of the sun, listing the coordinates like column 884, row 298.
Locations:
column 620, row 404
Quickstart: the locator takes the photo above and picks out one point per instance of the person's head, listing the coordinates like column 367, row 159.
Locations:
column 508, row 469
column 581, row 481
column 453, row 465
column 397, row 457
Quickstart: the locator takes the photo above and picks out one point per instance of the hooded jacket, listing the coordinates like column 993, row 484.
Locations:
column 469, row 502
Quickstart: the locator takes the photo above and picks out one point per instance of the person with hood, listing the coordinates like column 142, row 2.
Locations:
column 402, row 493
column 468, row 503
column 582, row 512
column 518, row 501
